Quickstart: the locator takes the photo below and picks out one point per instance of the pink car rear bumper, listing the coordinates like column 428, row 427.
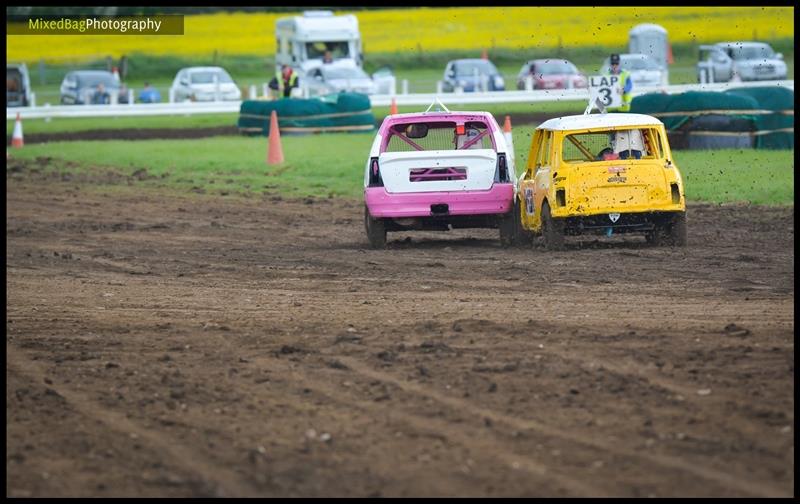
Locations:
column 497, row 200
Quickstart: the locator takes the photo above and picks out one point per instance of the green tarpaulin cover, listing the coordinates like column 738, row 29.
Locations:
column 335, row 112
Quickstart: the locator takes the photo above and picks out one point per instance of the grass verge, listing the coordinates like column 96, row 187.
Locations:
column 332, row 165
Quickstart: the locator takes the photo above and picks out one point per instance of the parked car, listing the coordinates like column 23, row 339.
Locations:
column 472, row 75
column 747, row 61
column 18, row 85
column 334, row 78
column 551, row 74
column 602, row 174
column 643, row 69
column 205, row 84
column 81, row 87
column 438, row 171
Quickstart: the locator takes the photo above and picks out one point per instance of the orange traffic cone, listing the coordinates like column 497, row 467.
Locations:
column 393, row 107
column 274, row 151
column 670, row 58
column 485, row 54
column 16, row 138
column 507, row 125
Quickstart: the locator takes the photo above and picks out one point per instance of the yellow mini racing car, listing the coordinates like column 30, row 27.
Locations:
column 601, row 174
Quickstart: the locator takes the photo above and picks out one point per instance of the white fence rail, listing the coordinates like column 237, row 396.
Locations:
column 421, row 99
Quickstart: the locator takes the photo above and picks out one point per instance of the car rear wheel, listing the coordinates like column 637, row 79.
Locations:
column 676, row 232
column 552, row 230
column 376, row 230
column 508, row 227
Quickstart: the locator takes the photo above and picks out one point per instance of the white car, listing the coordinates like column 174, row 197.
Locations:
column 644, row 70
column 205, row 84
column 747, row 61
column 345, row 76
column 333, row 78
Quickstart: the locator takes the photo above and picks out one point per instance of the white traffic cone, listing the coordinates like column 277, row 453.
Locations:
column 16, row 138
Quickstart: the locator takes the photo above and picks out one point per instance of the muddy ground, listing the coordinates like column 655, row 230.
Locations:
column 195, row 345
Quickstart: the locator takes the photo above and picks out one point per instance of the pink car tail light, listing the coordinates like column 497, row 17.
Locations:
column 433, row 174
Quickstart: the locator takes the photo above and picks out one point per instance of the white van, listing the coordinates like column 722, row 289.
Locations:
column 303, row 40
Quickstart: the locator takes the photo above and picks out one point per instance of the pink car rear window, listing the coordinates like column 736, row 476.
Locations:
column 442, row 135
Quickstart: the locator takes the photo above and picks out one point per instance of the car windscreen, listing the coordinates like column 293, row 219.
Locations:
column 750, row 52
column 467, row 68
column 344, row 73
column 638, row 64
column 609, row 145
column 337, row 49
column 208, row 77
column 92, row 80
column 439, row 135
column 555, row 67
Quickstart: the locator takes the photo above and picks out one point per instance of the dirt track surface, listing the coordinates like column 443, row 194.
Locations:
column 194, row 346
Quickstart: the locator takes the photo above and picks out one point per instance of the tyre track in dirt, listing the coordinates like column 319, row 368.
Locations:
column 664, row 461
column 494, row 449
column 400, row 353
column 229, row 482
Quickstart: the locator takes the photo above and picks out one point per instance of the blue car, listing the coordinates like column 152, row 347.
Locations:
column 472, row 75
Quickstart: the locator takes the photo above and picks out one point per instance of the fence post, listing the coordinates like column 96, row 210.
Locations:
column 265, row 89
column 405, row 86
column 172, row 95
column 529, row 82
column 216, row 82
column 130, row 96
column 47, row 117
column 33, row 100
column 252, row 93
column 438, row 87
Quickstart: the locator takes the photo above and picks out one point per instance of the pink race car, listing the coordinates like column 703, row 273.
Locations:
column 439, row 171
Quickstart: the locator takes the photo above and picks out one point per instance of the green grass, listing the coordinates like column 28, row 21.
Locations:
column 103, row 123
column 211, row 120
column 333, row 164
column 762, row 177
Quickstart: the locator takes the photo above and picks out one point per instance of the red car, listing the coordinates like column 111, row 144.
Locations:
column 551, row 74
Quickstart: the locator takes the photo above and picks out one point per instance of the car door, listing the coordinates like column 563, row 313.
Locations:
column 536, row 181
column 182, row 89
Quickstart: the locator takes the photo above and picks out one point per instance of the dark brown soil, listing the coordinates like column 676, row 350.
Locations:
column 186, row 345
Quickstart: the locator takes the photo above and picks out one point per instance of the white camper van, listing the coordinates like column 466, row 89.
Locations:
column 303, row 40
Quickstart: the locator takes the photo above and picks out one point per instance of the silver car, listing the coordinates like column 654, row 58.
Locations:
column 746, row 61
column 81, row 87
column 643, row 69
column 327, row 79
column 205, row 84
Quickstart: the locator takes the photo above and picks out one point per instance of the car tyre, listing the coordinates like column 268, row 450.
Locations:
column 677, row 232
column 376, row 230
column 653, row 238
column 521, row 235
column 508, row 227
column 552, row 230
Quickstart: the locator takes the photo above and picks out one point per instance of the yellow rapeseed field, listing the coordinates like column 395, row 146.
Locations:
column 429, row 29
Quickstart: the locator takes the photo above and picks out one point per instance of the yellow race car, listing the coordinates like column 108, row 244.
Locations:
column 602, row 174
